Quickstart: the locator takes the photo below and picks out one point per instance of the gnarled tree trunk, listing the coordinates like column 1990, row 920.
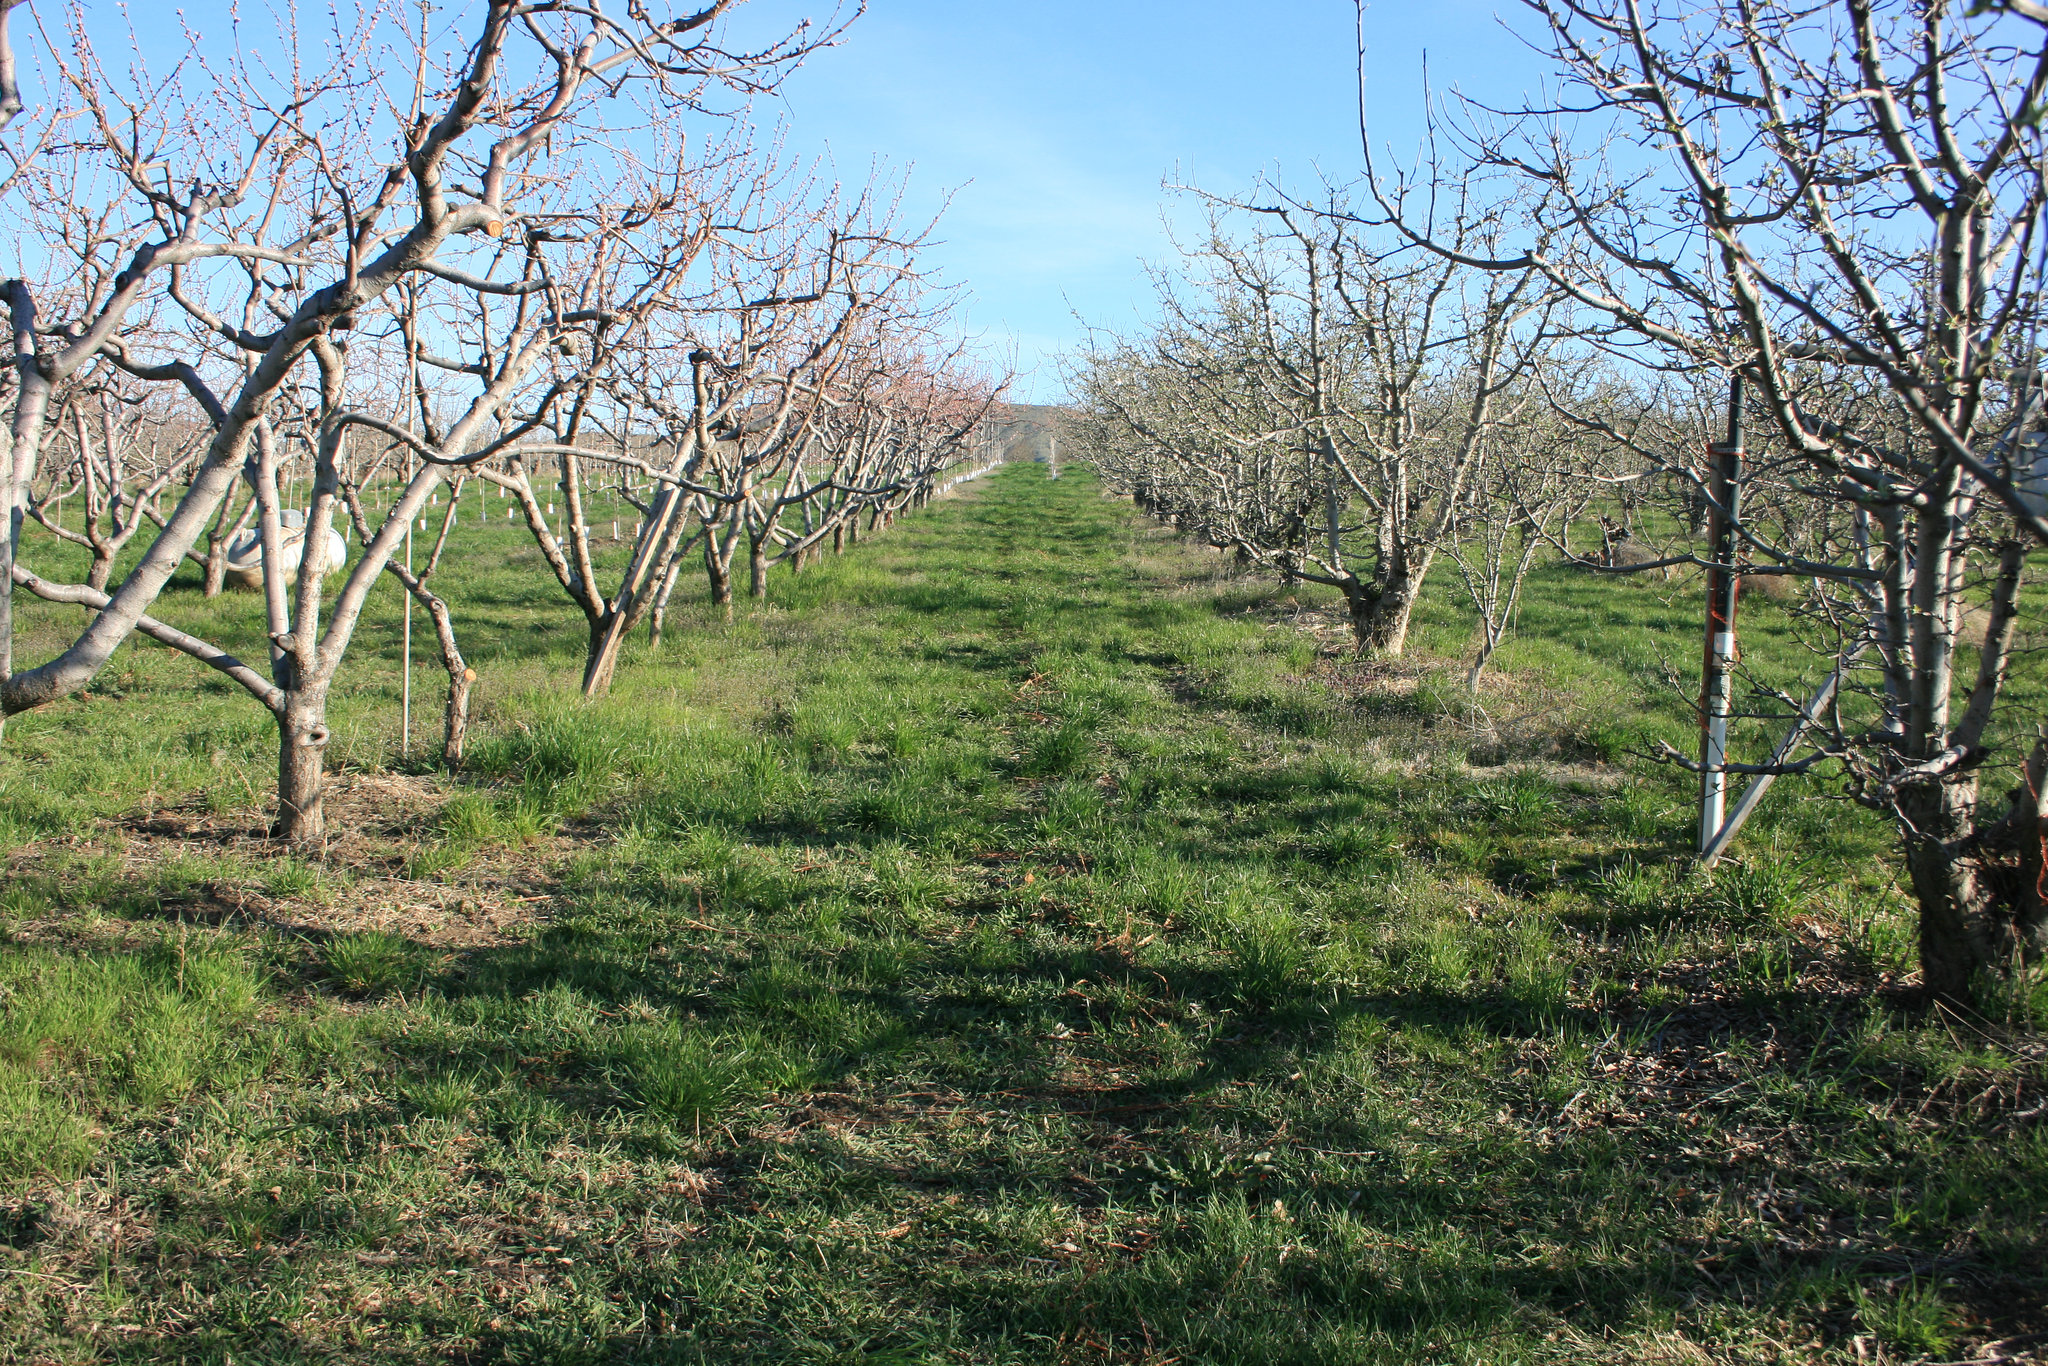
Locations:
column 302, row 738
column 1982, row 888
column 1380, row 612
column 455, row 715
column 718, row 571
column 216, row 565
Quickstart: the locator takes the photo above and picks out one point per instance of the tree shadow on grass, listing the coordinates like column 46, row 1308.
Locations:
column 1369, row 1252
column 1394, row 1252
column 1110, row 1129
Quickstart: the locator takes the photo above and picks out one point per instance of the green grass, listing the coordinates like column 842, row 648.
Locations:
column 1012, row 942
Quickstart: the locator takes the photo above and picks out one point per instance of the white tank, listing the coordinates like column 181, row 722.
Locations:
column 2031, row 472
column 245, row 552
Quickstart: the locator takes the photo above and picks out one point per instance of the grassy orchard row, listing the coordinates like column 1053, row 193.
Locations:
column 157, row 741
column 1014, row 941
column 501, row 592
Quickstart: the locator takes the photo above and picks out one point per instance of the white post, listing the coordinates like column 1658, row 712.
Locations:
column 1716, row 844
column 405, row 689
column 1717, row 684
column 1714, row 785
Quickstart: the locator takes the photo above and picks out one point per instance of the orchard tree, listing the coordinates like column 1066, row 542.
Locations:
column 225, row 226
column 115, row 460
column 1520, row 509
column 1311, row 368
column 724, row 400
column 1837, row 209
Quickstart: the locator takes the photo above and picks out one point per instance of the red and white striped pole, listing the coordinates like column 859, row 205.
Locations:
column 1717, row 685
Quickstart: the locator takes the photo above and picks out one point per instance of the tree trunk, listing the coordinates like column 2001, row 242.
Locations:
column 839, row 539
column 216, row 565
column 658, row 614
column 1982, row 911
column 1359, row 597
column 719, row 572
column 602, row 655
column 301, row 752
column 1956, row 927
column 757, row 570
column 455, row 716
column 1379, row 614
column 101, row 571
column 1479, row 666
column 1383, row 630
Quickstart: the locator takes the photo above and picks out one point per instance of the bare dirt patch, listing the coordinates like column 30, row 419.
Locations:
column 222, row 868
column 1512, row 722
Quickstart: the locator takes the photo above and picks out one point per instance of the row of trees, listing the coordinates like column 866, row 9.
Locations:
column 1345, row 411
column 1821, row 223
column 538, row 246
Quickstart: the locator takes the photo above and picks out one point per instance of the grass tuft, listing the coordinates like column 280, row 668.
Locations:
column 375, row 963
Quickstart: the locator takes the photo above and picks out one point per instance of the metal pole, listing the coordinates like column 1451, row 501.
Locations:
column 1761, row 783
column 1717, row 677
column 1718, row 843
column 405, row 692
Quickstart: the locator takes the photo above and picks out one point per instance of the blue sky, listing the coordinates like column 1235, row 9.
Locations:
column 1052, row 123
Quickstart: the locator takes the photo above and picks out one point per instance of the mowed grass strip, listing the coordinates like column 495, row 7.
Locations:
column 1016, row 941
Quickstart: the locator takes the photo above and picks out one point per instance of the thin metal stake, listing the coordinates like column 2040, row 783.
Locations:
column 405, row 694
column 1723, row 587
